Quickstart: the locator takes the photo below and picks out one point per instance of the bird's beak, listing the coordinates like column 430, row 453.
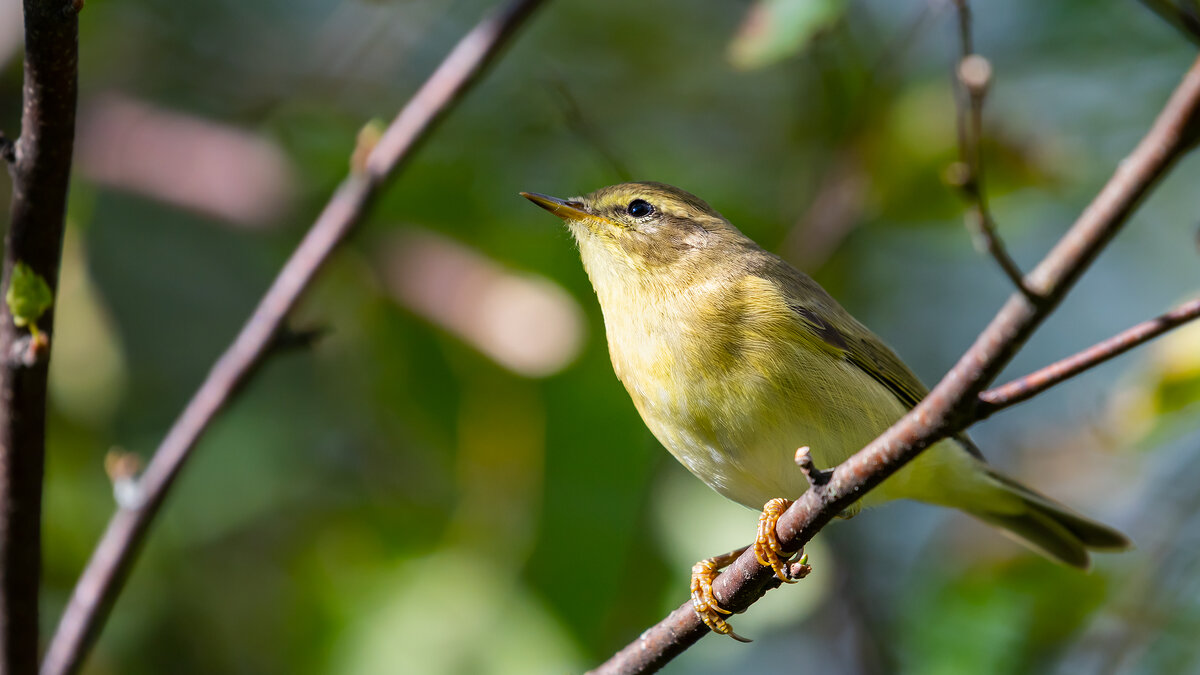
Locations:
column 559, row 207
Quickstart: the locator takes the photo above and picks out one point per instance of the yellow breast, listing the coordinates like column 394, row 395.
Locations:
column 725, row 379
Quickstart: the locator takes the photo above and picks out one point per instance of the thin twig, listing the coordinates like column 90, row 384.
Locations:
column 1028, row 386
column 816, row 477
column 972, row 78
column 951, row 406
column 1186, row 20
column 586, row 131
column 294, row 339
column 40, row 164
column 105, row 573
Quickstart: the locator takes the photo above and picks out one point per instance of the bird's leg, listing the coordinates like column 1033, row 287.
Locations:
column 769, row 554
column 703, row 600
column 766, row 549
column 766, row 545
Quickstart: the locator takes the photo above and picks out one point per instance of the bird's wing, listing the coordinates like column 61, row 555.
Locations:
column 861, row 348
column 838, row 332
column 843, row 336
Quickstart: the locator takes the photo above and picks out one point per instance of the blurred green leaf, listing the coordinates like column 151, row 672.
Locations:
column 1016, row 612
column 776, row 29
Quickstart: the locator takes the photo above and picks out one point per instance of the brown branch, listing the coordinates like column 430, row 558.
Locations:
column 102, row 579
column 815, row 477
column 1028, row 386
column 952, row 405
column 40, row 165
column 972, row 78
column 1186, row 20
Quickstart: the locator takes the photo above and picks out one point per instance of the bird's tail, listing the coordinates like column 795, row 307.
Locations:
column 953, row 473
column 1044, row 525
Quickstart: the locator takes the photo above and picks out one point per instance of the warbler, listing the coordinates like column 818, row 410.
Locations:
column 735, row 359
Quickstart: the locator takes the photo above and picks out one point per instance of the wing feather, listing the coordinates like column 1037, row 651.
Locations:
column 844, row 336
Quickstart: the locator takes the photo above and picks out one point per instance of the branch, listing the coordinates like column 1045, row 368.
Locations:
column 40, row 165
column 586, row 131
column 1186, row 20
column 952, row 405
column 102, row 579
column 972, row 77
column 1025, row 388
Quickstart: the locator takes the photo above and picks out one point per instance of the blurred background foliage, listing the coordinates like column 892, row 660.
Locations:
column 452, row 480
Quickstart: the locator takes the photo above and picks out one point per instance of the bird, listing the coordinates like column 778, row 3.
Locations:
column 734, row 359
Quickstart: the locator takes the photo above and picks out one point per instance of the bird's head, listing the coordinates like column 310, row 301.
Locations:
column 643, row 230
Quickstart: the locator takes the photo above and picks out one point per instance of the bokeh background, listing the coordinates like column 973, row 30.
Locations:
column 452, row 480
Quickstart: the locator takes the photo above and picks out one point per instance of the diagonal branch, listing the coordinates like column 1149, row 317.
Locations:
column 40, row 164
column 1185, row 17
column 1028, row 386
column 102, row 579
column 952, row 405
column 972, row 78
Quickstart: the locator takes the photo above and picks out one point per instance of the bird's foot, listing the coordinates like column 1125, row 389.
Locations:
column 769, row 554
column 703, row 600
column 767, row 548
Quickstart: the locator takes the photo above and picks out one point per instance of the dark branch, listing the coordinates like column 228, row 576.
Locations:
column 952, row 405
column 105, row 573
column 972, row 77
column 1186, row 20
column 40, row 164
column 8, row 149
column 297, row 339
column 1024, row 388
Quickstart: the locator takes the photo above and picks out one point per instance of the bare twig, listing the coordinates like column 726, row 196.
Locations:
column 816, row 477
column 40, row 164
column 586, row 131
column 952, row 405
column 1185, row 19
column 289, row 339
column 105, row 573
column 1028, row 386
column 972, row 77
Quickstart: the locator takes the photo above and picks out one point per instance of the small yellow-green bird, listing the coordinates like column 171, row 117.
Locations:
column 735, row 359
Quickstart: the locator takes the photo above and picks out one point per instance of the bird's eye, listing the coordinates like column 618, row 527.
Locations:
column 639, row 208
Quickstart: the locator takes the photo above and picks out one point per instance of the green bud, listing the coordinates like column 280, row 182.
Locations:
column 28, row 295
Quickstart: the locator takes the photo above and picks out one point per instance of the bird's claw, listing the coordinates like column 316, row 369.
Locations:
column 766, row 545
column 769, row 554
column 705, row 603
